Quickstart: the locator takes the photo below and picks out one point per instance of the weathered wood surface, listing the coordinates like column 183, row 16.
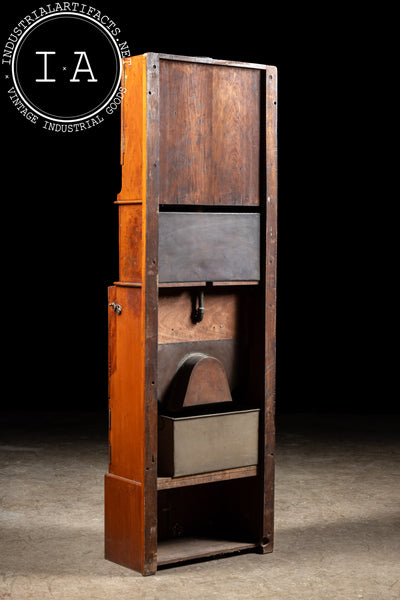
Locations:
column 200, row 379
column 270, row 305
column 166, row 483
column 209, row 134
column 222, row 313
column 231, row 354
column 180, row 550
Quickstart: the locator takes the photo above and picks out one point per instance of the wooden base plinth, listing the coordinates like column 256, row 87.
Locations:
column 124, row 522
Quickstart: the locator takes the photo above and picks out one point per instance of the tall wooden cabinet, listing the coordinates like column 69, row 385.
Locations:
column 192, row 317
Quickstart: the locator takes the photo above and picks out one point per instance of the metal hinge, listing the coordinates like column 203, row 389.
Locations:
column 116, row 307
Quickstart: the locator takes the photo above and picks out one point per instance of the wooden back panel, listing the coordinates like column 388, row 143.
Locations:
column 209, row 134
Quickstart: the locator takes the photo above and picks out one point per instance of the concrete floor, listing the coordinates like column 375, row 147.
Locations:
column 337, row 517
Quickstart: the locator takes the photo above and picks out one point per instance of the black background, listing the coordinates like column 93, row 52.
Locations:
column 60, row 224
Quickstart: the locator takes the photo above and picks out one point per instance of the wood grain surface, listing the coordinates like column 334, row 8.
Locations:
column 209, row 134
column 175, row 324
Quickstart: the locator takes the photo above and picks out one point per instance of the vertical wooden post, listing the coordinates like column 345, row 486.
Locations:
column 270, row 306
column 151, row 313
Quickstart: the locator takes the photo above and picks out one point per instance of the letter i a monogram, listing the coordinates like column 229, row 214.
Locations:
column 77, row 70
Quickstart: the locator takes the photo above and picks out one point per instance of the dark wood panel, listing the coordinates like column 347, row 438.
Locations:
column 199, row 380
column 218, row 510
column 270, row 305
column 166, row 483
column 180, row 550
column 149, row 340
column 209, row 134
column 235, row 136
column 229, row 352
column 210, row 247
column 175, row 323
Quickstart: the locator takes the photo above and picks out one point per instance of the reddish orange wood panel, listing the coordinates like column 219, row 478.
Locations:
column 133, row 130
column 111, row 336
column 130, row 242
column 125, row 541
column 126, row 435
column 124, row 522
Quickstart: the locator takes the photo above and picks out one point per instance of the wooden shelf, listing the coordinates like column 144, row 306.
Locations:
column 166, row 483
column 191, row 548
column 182, row 284
column 220, row 283
column 205, row 283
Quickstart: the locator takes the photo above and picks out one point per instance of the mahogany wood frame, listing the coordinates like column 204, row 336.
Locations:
column 131, row 485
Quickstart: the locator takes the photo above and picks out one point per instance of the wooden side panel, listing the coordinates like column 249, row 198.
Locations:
column 133, row 127
column 126, row 402
column 111, row 336
column 126, row 524
column 209, row 134
column 130, row 242
column 123, row 521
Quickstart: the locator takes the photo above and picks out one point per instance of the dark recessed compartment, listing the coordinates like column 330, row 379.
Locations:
column 208, row 406
column 208, row 247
